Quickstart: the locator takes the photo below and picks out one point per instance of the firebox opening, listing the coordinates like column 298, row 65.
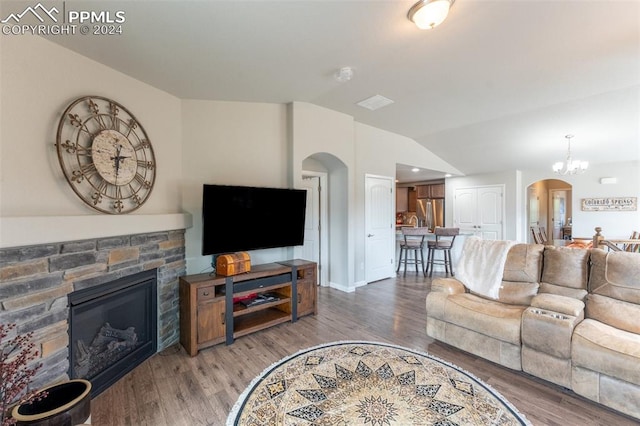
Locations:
column 113, row 329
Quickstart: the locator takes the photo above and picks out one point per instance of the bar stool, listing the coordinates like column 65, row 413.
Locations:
column 443, row 242
column 413, row 241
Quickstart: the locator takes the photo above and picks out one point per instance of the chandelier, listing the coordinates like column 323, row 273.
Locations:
column 570, row 166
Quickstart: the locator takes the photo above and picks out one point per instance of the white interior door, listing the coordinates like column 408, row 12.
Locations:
column 558, row 211
column 315, row 247
column 311, row 246
column 534, row 211
column 534, row 207
column 490, row 211
column 465, row 202
column 379, row 228
column 479, row 211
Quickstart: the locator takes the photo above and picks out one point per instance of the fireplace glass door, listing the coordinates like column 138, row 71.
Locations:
column 112, row 328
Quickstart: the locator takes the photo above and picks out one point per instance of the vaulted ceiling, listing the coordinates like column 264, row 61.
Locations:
column 496, row 87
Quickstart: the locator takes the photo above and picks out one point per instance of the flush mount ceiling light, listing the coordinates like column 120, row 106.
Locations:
column 428, row 14
column 570, row 166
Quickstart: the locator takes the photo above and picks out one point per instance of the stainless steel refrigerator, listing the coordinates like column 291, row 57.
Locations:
column 430, row 212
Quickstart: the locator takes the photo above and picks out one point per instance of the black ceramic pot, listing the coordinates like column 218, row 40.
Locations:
column 66, row 404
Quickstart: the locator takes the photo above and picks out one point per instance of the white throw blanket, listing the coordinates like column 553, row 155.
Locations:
column 481, row 265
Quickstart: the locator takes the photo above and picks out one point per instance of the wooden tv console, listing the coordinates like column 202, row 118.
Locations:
column 208, row 315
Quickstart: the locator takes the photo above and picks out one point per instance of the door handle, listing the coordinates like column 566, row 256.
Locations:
column 370, row 235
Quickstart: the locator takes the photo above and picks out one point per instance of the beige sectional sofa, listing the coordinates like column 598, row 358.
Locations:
column 570, row 316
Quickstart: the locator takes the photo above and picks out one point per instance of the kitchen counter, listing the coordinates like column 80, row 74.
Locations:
column 404, row 226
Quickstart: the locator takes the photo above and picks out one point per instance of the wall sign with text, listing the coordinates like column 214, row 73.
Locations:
column 619, row 204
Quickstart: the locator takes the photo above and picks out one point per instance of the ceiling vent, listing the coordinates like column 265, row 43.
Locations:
column 375, row 102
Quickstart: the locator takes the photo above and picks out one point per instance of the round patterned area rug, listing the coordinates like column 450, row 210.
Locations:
column 373, row 384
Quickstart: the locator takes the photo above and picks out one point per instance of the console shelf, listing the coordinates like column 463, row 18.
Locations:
column 258, row 320
column 208, row 314
column 239, row 309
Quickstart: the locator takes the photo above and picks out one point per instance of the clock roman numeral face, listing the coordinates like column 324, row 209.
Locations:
column 105, row 155
column 114, row 157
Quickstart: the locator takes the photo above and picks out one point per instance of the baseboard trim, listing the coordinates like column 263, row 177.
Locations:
column 341, row 287
column 359, row 284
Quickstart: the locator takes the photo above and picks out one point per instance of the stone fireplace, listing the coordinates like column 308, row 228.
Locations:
column 36, row 280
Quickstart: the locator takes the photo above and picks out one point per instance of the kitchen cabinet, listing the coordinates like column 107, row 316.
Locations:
column 436, row 190
column 412, row 197
column 422, row 191
column 402, row 199
column 430, row 191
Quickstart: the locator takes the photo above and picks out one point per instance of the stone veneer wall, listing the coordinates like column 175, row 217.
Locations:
column 35, row 282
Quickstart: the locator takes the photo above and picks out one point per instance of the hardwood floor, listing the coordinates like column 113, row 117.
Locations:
column 174, row 389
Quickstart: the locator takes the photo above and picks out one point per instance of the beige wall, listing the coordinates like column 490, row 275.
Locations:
column 327, row 136
column 38, row 80
column 230, row 143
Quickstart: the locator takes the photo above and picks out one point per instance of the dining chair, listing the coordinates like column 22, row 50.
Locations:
column 543, row 234
column 633, row 247
column 537, row 237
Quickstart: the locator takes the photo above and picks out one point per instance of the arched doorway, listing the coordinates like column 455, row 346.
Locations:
column 549, row 207
column 325, row 178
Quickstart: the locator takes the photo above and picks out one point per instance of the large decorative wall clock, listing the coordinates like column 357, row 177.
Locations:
column 105, row 155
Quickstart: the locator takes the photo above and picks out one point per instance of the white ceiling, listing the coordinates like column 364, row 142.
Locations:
column 496, row 87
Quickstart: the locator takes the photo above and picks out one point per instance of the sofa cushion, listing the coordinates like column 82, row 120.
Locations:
column 514, row 293
column 489, row 317
column 614, row 312
column 517, row 293
column 599, row 347
column 560, row 304
column 565, row 267
column 575, row 293
column 524, row 263
column 616, row 275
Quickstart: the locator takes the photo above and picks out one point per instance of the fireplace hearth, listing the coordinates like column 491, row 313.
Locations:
column 113, row 328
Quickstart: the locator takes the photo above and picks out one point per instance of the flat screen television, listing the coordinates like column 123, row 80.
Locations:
column 242, row 218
